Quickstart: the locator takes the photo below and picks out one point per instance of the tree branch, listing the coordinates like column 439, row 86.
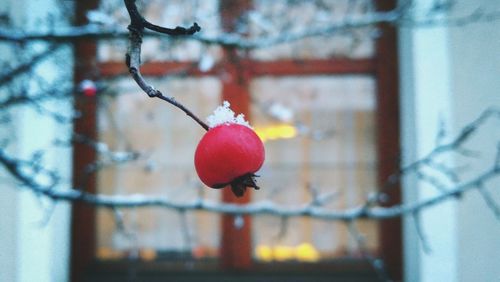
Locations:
column 488, row 199
column 133, row 56
column 454, row 145
column 255, row 208
column 399, row 16
column 11, row 74
column 30, row 178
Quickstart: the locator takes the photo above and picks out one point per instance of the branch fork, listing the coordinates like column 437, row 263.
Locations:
column 133, row 57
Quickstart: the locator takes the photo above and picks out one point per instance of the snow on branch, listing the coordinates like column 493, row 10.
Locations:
column 45, row 182
column 403, row 15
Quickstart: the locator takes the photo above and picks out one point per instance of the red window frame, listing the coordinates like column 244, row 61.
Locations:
column 236, row 252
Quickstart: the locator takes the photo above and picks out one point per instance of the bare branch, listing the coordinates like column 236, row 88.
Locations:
column 283, row 228
column 454, row 145
column 185, row 229
column 256, row 208
column 121, row 227
column 133, row 57
column 28, row 172
column 433, row 181
column 420, row 232
column 377, row 263
column 69, row 34
column 28, row 65
column 399, row 16
column 476, row 16
column 488, row 199
column 497, row 158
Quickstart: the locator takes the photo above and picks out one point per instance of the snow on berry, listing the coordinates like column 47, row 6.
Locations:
column 224, row 115
column 88, row 88
column 229, row 153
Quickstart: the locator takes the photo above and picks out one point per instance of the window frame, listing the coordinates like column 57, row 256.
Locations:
column 383, row 67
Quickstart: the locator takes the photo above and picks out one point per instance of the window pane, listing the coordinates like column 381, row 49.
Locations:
column 169, row 14
column 281, row 18
column 319, row 134
column 165, row 140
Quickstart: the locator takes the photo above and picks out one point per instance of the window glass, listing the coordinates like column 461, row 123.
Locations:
column 288, row 19
column 319, row 134
column 169, row 14
column 165, row 141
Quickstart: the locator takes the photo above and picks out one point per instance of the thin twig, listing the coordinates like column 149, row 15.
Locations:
column 133, row 56
column 488, row 199
column 420, row 232
column 400, row 16
column 256, row 208
column 283, row 229
column 188, row 238
column 454, row 145
column 13, row 73
column 376, row 263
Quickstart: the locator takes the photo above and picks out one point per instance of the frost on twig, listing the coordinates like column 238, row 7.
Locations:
column 29, row 179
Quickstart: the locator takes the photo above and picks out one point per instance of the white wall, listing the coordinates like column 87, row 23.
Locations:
column 31, row 250
column 475, row 68
column 425, row 100
column 451, row 74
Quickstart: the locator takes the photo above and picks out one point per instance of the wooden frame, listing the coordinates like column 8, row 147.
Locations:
column 83, row 228
column 252, row 68
column 388, row 142
column 238, row 241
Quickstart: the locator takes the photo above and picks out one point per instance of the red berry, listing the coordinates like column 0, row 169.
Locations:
column 229, row 154
column 88, row 88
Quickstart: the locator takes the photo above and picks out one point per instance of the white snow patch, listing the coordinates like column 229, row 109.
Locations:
column 281, row 112
column 223, row 114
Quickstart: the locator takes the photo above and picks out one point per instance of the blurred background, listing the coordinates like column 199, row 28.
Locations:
column 347, row 96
